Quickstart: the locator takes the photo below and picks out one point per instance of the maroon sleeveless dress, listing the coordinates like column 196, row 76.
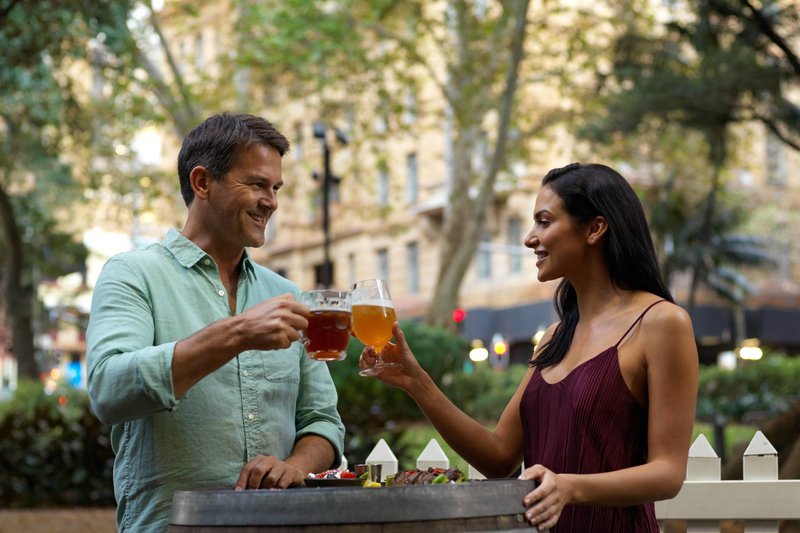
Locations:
column 587, row 423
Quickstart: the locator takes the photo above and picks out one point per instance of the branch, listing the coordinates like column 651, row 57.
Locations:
column 773, row 127
column 770, row 32
column 190, row 114
column 507, row 102
column 412, row 51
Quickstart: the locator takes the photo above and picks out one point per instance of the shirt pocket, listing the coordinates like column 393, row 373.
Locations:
column 282, row 366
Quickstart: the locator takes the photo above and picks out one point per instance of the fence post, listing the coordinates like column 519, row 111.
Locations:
column 472, row 473
column 382, row 455
column 703, row 465
column 433, row 456
column 760, row 462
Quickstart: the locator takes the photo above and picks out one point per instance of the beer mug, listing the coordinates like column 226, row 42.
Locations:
column 329, row 325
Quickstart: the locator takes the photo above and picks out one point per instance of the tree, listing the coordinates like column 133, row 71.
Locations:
column 717, row 70
column 348, row 55
column 57, row 140
column 40, row 116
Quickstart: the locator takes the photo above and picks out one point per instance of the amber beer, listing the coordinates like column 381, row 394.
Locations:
column 328, row 334
column 329, row 324
column 372, row 323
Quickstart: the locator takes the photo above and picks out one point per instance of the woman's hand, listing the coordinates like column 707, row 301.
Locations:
column 546, row 502
column 399, row 352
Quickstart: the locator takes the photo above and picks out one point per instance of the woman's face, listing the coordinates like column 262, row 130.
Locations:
column 558, row 242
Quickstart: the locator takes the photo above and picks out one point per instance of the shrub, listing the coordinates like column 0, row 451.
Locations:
column 485, row 392
column 766, row 387
column 53, row 451
column 371, row 410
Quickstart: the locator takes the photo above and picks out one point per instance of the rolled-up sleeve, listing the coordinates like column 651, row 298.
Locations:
column 128, row 377
column 316, row 407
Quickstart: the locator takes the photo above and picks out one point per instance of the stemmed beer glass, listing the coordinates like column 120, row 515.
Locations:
column 373, row 317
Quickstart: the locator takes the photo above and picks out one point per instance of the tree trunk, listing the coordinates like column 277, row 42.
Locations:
column 17, row 294
column 465, row 217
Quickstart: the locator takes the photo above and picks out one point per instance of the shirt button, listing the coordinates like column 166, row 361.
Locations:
column 221, row 292
column 246, row 373
column 207, row 261
column 250, row 416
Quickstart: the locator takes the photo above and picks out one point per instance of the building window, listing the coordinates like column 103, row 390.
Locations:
column 383, row 264
column 410, row 112
column 383, row 187
column 777, row 168
column 382, row 115
column 199, row 52
column 297, row 149
column 411, row 178
column 351, row 269
column 480, row 157
column 412, row 268
column 484, row 257
column 514, row 243
column 319, row 275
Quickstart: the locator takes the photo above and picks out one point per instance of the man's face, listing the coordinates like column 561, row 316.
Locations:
column 242, row 203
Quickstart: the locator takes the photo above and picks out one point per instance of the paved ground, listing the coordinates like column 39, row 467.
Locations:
column 57, row 521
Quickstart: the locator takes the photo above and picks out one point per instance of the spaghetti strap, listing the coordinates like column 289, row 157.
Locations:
column 637, row 321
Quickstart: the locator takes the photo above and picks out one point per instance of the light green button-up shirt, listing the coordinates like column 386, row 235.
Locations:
column 260, row 402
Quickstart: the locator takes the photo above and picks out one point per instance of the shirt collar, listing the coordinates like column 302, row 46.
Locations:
column 188, row 253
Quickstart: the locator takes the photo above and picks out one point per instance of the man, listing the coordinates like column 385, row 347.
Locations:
column 193, row 348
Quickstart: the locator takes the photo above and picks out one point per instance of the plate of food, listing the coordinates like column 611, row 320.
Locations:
column 333, row 478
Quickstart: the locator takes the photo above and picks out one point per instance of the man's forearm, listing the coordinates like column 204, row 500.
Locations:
column 312, row 453
column 197, row 356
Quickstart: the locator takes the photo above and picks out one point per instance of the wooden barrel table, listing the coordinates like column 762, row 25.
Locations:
column 491, row 505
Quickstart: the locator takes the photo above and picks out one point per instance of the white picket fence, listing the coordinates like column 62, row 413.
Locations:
column 760, row 500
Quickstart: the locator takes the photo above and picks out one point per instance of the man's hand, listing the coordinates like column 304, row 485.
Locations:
column 268, row 472
column 275, row 323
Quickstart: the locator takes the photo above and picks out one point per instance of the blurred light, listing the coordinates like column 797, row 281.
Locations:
column 727, row 360
column 459, row 314
column 537, row 337
column 478, row 351
column 751, row 353
column 121, row 149
column 55, row 373
column 499, row 344
column 751, row 350
column 73, row 373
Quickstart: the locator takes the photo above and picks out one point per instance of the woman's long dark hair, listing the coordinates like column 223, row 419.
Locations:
column 589, row 191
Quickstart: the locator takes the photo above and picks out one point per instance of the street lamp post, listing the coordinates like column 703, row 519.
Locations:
column 328, row 178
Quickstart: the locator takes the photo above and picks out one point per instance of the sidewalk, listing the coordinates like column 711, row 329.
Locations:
column 78, row 520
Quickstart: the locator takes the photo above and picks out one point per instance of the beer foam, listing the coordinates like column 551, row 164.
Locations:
column 374, row 302
column 329, row 307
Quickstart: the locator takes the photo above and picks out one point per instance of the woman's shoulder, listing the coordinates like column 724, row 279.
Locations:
column 663, row 317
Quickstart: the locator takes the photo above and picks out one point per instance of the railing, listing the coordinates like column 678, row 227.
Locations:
column 760, row 500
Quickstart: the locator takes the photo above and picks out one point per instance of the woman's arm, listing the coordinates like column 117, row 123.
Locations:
column 671, row 365
column 494, row 454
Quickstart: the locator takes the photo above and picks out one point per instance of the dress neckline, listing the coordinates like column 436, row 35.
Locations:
column 613, row 348
column 610, row 349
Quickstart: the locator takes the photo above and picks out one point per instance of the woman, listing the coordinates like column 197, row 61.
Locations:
column 604, row 415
